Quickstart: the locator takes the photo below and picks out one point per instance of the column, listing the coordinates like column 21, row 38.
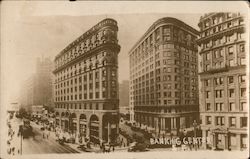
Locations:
column 214, row 141
column 173, row 126
column 108, row 132
column 174, row 122
column 100, row 128
column 238, row 142
column 204, row 135
column 226, row 142
column 160, row 124
column 182, row 122
column 163, row 124
column 88, row 127
column 157, row 125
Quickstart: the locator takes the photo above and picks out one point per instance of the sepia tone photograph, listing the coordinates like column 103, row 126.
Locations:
column 127, row 79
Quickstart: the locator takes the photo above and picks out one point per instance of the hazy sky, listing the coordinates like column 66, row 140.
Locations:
column 35, row 29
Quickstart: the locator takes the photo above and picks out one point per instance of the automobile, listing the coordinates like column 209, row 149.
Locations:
column 136, row 146
column 61, row 141
column 84, row 148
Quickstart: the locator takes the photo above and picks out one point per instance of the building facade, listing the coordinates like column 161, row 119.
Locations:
column 37, row 89
column 223, row 104
column 164, row 78
column 43, row 82
column 86, row 84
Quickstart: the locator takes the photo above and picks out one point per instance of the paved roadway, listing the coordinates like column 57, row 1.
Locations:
column 38, row 145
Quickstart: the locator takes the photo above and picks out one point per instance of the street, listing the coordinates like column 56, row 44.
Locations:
column 37, row 145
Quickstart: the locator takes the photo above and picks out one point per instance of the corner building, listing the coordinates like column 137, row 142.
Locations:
column 86, row 86
column 164, row 78
column 223, row 103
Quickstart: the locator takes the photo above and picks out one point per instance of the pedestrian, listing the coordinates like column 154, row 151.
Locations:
column 13, row 150
column 113, row 148
column 48, row 133
column 9, row 150
column 109, row 147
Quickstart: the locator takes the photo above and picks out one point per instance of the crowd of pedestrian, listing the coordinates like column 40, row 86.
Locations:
column 11, row 149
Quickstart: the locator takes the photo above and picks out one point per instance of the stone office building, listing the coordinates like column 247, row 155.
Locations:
column 86, row 84
column 223, row 103
column 164, row 78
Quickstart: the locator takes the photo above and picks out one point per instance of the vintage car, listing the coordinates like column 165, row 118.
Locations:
column 135, row 146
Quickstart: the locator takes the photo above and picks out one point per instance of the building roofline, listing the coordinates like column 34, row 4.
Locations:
column 84, row 35
column 172, row 20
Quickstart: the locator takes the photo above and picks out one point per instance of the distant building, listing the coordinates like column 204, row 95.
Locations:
column 37, row 110
column 13, row 107
column 223, row 82
column 164, row 77
column 124, row 93
column 37, row 89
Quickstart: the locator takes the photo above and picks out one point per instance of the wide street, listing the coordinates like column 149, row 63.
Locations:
column 37, row 145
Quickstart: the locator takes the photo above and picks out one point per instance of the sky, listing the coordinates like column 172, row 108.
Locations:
column 44, row 28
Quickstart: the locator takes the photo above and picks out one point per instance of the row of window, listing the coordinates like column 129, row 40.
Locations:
column 84, row 88
column 217, row 53
column 88, row 44
column 85, row 106
column 86, row 78
column 230, row 80
column 231, row 93
column 221, row 107
column 89, row 95
column 229, row 63
column 164, row 102
column 222, row 27
column 63, row 76
column 178, row 35
column 218, row 19
column 165, row 62
column 220, row 120
column 137, row 59
column 166, row 94
column 164, row 109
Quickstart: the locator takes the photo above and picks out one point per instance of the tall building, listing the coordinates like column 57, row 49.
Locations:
column 223, row 104
column 43, row 82
column 37, row 89
column 124, row 93
column 124, row 96
column 164, row 77
column 86, row 84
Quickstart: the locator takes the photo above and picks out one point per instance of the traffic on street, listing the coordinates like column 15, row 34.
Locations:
column 36, row 142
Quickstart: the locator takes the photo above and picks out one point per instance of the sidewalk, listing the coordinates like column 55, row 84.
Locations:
column 94, row 149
